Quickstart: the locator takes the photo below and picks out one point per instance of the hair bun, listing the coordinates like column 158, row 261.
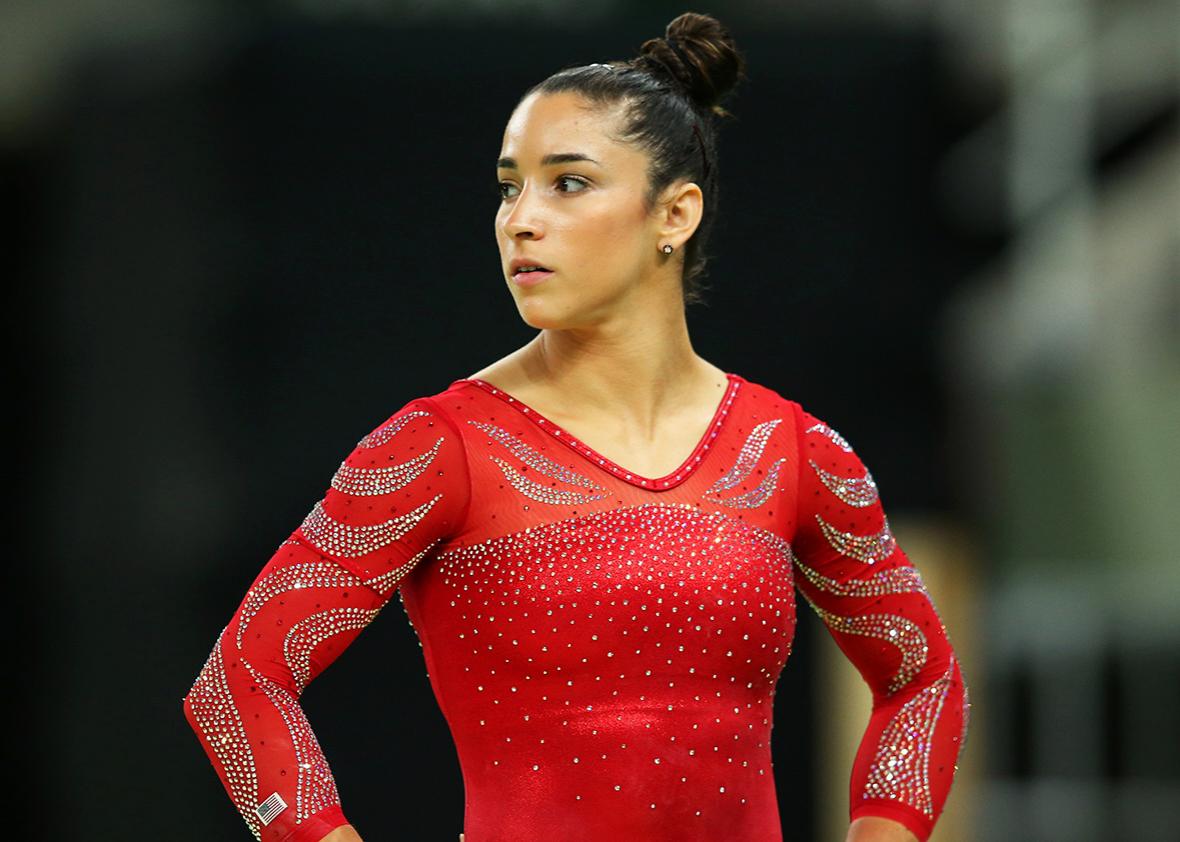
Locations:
column 699, row 55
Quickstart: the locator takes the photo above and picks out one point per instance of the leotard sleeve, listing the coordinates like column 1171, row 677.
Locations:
column 404, row 488
column 873, row 601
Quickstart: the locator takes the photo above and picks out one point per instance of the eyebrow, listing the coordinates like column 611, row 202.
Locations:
column 549, row 160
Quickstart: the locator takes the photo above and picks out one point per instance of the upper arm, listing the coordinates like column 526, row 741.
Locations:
column 404, row 488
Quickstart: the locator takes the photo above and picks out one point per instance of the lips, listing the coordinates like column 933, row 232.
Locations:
column 525, row 279
column 519, row 263
column 525, row 271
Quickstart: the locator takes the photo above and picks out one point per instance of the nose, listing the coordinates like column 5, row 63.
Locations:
column 522, row 220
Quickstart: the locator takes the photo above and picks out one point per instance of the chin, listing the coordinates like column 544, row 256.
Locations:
column 538, row 313
column 540, row 318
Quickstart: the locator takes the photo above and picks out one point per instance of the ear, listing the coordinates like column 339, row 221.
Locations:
column 680, row 212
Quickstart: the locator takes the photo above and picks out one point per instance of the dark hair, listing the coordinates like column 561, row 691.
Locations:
column 672, row 91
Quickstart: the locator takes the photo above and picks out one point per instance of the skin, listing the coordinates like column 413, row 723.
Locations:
column 612, row 362
column 874, row 829
column 345, row 833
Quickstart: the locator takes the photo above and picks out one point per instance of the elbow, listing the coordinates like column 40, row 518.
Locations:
column 937, row 675
column 198, row 696
column 186, row 710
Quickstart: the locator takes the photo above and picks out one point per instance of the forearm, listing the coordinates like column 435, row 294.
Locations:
column 875, row 829
column 344, row 833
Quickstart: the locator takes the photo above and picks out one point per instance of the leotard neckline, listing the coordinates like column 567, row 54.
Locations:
column 669, row 480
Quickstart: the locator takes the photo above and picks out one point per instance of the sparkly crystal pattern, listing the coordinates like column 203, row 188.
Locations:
column 534, row 458
column 659, row 483
column 386, row 583
column 322, row 586
column 966, row 712
column 824, row 430
column 901, row 767
column 605, row 646
column 367, row 482
column 891, row 628
column 855, row 491
column 543, row 493
column 641, row 643
column 220, row 724
column 343, row 540
column 382, row 435
column 747, row 459
column 303, row 638
column 867, row 548
column 755, row 497
column 316, row 787
column 312, row 574
column 894, row 580
column 863, row 586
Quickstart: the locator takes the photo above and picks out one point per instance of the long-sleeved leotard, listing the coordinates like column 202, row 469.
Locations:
column 854, row 574
column 604, row 646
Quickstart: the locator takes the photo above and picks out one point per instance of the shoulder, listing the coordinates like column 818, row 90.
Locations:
column 407, row 476
column 765, row 401
column 415, row 450
column 426, row 421
column 440, row 407
column 828, row 463
column 819, row 440
column 762, row 400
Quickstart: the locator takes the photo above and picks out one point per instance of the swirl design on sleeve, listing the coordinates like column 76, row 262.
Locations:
column 310, row 632
column 318, row 574
column 369, row 482
column 857, row 492
column 904, row 579
column 334, row 537
column 384, row 433
column 824, row 430
column 219, row 720
column 386, row 583
column 315, row 574
column 316, row 786
column 868, row 549
column 900, row 770
column 891, row 628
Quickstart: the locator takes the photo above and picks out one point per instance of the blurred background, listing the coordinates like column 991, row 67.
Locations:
column 244, row 233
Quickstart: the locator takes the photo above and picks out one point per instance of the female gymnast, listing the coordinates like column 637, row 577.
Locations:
column 598, row 537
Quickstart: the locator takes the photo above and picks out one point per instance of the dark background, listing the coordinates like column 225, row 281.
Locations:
column 233, row 257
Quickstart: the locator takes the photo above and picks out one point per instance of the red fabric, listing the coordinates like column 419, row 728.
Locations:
column 604, row 646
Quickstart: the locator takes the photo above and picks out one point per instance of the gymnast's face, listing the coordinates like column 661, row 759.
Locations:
column 572, row 201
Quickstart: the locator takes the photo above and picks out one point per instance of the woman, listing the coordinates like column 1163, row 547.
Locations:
column 597, row 538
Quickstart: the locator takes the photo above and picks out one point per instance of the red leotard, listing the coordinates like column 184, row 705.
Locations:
column 604, row 646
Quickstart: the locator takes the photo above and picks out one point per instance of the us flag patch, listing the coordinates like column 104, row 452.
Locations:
column 270, row 808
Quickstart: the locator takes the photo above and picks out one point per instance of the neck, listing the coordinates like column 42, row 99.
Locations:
column 639, row 363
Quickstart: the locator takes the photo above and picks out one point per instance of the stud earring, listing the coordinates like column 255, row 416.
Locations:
column 667, row 248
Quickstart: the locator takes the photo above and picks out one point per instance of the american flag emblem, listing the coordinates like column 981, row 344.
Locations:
column 270, row 808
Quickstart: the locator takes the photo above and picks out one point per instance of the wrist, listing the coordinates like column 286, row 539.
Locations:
column 879, row 829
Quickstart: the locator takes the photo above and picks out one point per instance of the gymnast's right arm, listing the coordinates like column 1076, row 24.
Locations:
column 403, row 489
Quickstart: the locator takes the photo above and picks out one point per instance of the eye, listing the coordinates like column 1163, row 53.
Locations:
column 574, row 179
column 503, row 186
